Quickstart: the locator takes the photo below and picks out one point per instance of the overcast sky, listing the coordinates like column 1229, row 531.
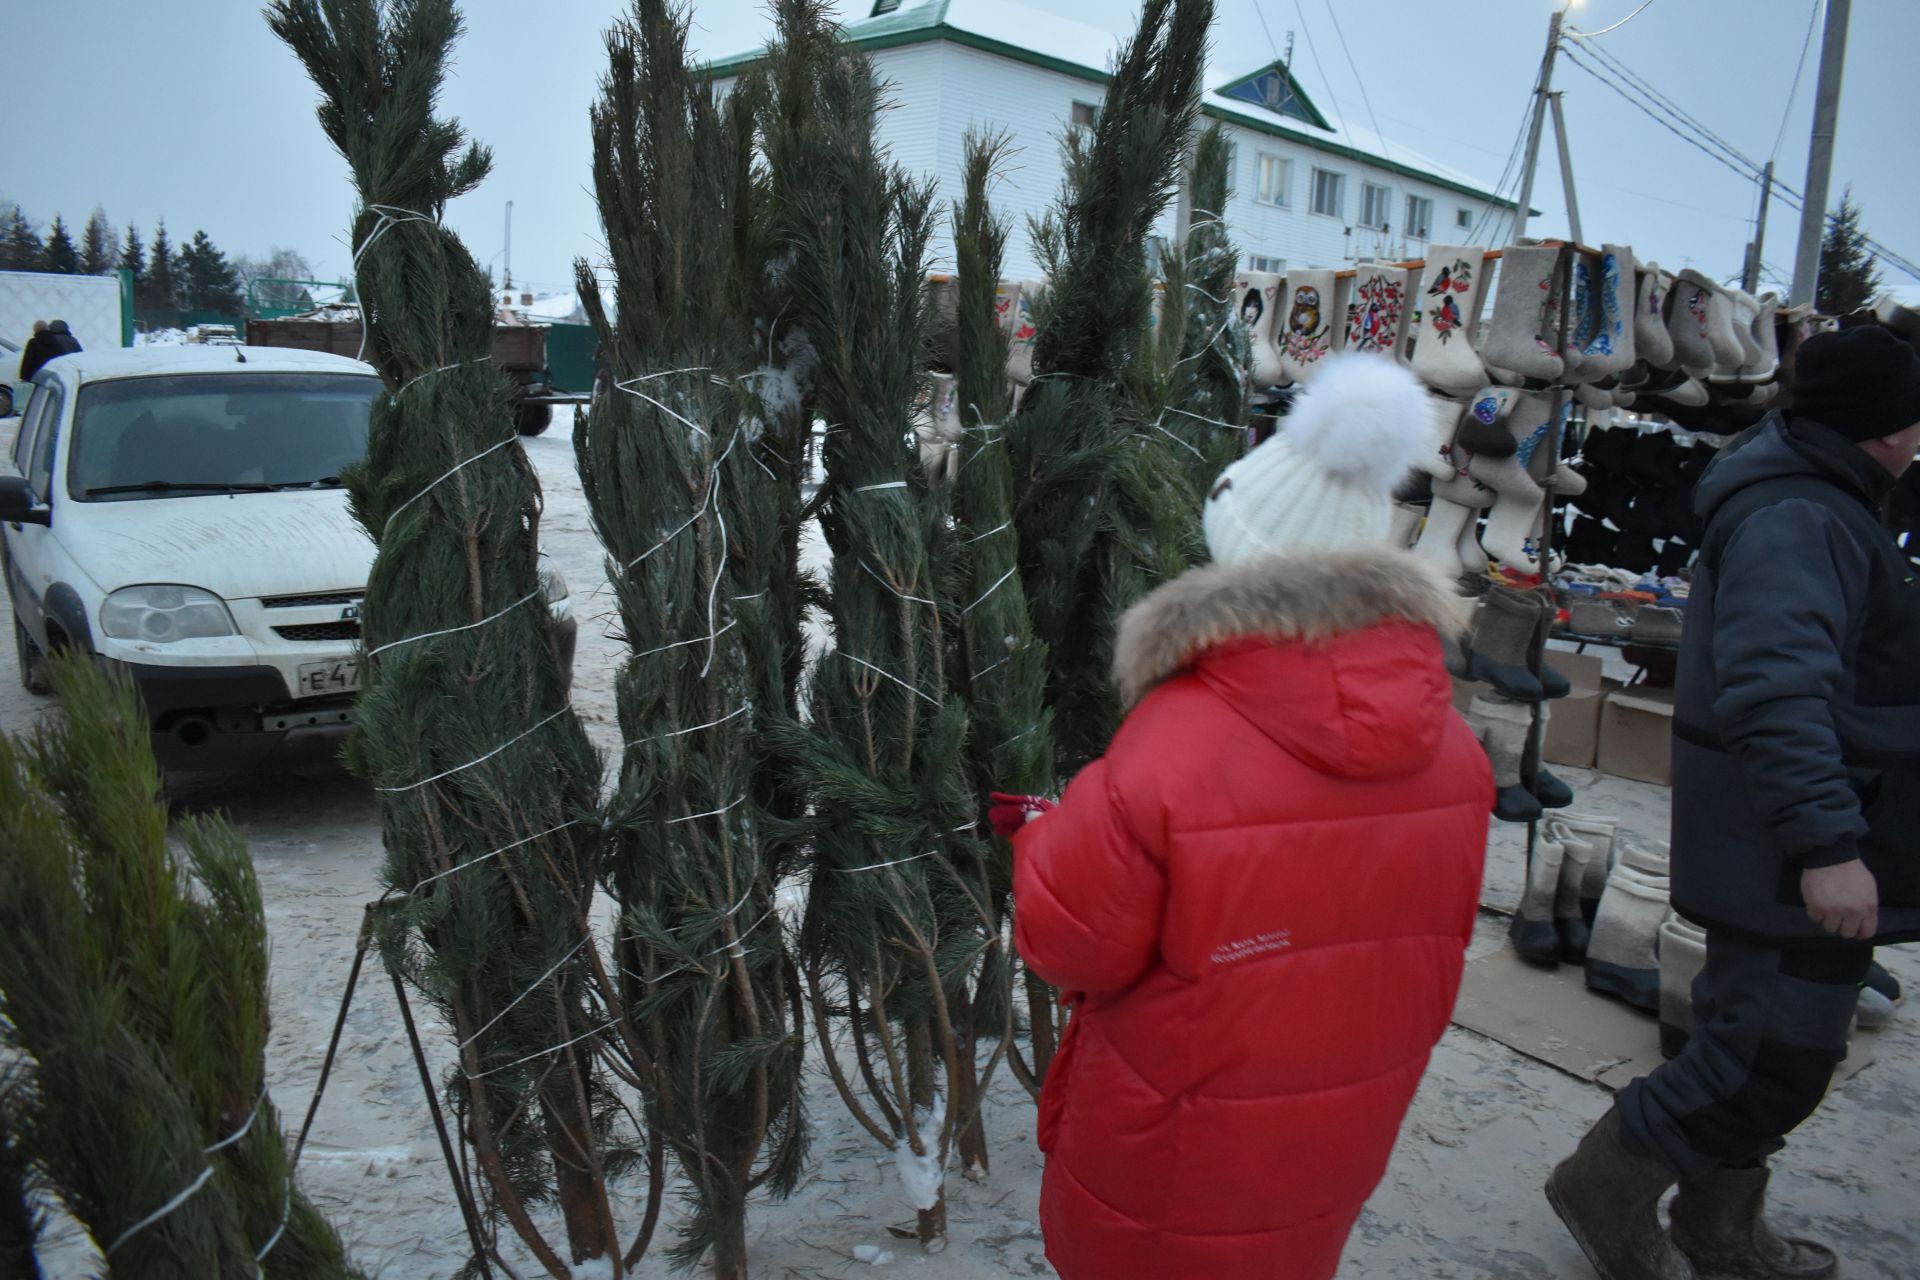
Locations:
column 190, row 110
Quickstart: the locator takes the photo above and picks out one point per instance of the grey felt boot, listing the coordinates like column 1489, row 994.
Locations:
column 1609, row 1197
column 1719, row 1222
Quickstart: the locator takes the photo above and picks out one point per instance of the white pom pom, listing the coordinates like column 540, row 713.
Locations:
column 1364, row 419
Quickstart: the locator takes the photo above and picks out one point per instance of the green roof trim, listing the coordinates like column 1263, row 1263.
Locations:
column 926, row 24
column 1295, row 94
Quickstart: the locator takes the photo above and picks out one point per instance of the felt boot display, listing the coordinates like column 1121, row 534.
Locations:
column 1512, row 534
column 1457, row 503
column 1305, row 328
column 1767, row 367
column 1651, row 341
column 1621, row 953
column 1482, row 428
column 1521, row 335
column 937, row 428
column 1610, row 350
column 1593, row 834
column 1683, row 954
column 1503, row 726
column 1451, row 293
column 1501, row 642
column 1378, row 311
column 1746, row 313
column 1257, row 307
column 1723, row 335
column 1649, row 860
column 1532, row 930
column 1577, row 854
column 1014, row 306
column 1687, row 323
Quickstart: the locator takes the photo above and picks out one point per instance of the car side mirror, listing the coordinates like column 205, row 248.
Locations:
column 17, row 505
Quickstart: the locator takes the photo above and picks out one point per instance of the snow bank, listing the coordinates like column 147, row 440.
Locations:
column 920, row 1175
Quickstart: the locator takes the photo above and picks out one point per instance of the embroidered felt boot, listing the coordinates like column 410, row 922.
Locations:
column 1767, row 367
column 937, row 429
column 1719, row 1222
column 1450, row 297
column 1609, row 348
column 1687, row 323
column 1379, row 311
column 1723, row 335
column 1683, row 954
column 1651, row 341
column 1532, row 931
column 1014, row 307
column 1256, row 301
column 1305, row 329
column 1609, row 1198
column 1522, row 334
column 1503, row 726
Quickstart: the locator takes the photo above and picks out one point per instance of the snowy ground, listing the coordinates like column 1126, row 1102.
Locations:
column 1461, row 1199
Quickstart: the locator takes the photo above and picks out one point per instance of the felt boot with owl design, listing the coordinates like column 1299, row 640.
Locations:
column 1522, row 334
column 1379, row 311
column 1449, row 300
column 1256, row 301
column 1306, row 333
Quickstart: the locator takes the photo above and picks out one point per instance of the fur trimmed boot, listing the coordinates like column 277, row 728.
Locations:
column 1609, row 1198
column 1622, row 957
column 1305, row 328
column 1683, row 954
column 1450, row 298
column 1720, row 1224
column 1521, row 335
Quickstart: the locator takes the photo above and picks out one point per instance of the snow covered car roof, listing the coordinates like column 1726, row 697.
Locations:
column 139, row 362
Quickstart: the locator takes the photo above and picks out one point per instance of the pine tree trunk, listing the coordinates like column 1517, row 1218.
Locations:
column 970, row 1140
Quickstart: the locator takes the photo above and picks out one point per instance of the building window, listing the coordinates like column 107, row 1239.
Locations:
column 1419, row 217
column 1376, row 206
column 1272, row 266
column 1329, row 193
column 1085, row 115
column 1463, row 218
column 1274, row 177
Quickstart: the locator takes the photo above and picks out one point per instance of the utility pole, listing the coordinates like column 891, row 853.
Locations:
column 1539, row 124
column 507, row 269
column 1566, row 168
column 1750, row 281
column 1826, row 113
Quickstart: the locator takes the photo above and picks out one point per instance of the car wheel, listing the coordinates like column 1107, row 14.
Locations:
column 33, row 663
column 534, row 418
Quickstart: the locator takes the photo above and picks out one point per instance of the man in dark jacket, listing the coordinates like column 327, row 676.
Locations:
column 56, row 340
column 1796, row 818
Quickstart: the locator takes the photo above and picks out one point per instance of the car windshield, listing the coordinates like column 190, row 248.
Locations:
column 196, row 434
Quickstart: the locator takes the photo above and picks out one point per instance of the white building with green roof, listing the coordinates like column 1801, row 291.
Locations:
column 1308, row 191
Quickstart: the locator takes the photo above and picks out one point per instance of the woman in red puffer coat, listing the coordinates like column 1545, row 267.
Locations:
column 1259, row 899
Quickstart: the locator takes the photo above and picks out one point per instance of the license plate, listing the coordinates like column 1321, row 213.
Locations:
column 319, row 678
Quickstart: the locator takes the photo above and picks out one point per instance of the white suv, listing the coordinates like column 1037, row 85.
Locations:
column 178, row 510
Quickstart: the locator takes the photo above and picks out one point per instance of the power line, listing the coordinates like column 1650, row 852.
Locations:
column 1354, row 67
column 1813, row 20
column 1588, row 35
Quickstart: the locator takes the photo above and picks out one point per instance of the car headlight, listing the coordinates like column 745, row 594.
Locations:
column 164, row 614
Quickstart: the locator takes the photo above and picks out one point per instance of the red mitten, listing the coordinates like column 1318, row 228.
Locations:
column 1009, row 813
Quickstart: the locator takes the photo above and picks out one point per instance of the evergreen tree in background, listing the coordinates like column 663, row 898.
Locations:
column 98, row 252
column 134, row 1013
column 674, row 460
column 60, row 255
column 208, row 281
column 488, row 787
column 162, row 293
column 133, row 257
column 892, row 930
column 1849, row 270
column 20, row 245
column 1000, row 669
column 1098, row 525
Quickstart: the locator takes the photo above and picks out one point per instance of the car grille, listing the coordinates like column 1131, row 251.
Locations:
column 347, row 630
column 313, row 601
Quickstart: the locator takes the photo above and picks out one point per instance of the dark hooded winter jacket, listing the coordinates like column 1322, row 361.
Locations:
column 57, row 341
column 1797, row 715
column 1287, row 830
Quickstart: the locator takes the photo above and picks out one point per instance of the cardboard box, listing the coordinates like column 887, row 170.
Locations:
column 1636, row 735
column 1573, row 722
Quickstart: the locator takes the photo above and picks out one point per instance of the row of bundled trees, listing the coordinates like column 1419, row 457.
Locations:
column 794, row 850
column 195, row 276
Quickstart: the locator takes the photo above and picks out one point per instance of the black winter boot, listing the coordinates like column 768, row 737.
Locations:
column 1610, row 1200
column 1719, row 1222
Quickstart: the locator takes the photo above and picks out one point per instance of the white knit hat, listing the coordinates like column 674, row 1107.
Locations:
column 1325, row 480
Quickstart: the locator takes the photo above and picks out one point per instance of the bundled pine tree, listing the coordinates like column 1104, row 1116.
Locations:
column 1098, row 526
column 999, row 667
column 488, row 787
column 891, row 930
column 133, row 1013
column 673, row 456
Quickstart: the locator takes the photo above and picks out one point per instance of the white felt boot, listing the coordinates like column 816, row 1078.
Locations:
column 1766, row 367
column 937, row 428
column 1594, row 833
column 1723, row 335
column 1687, row 323
column 1651, row 341
column 1450, row 296
column 1257, row 307
column 1307, row 323
column 1521, row 334
column 1647, row 857
column 1532, row 931
column 1379, row 311
column 1454, row 515
column 1609, row 349
column 1569, row 920
column 1683, row 954
column 1405, row 526
column 1746, row 311
column 1621, row 954
column 1014, row 306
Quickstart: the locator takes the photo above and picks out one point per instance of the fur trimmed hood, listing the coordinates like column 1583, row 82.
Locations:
column 1278, row 598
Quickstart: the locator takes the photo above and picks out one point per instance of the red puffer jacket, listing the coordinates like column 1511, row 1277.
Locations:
column 1260, row 898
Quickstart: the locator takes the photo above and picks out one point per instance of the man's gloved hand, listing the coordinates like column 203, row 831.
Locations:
column 1010, row 813
column 1844, row 900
